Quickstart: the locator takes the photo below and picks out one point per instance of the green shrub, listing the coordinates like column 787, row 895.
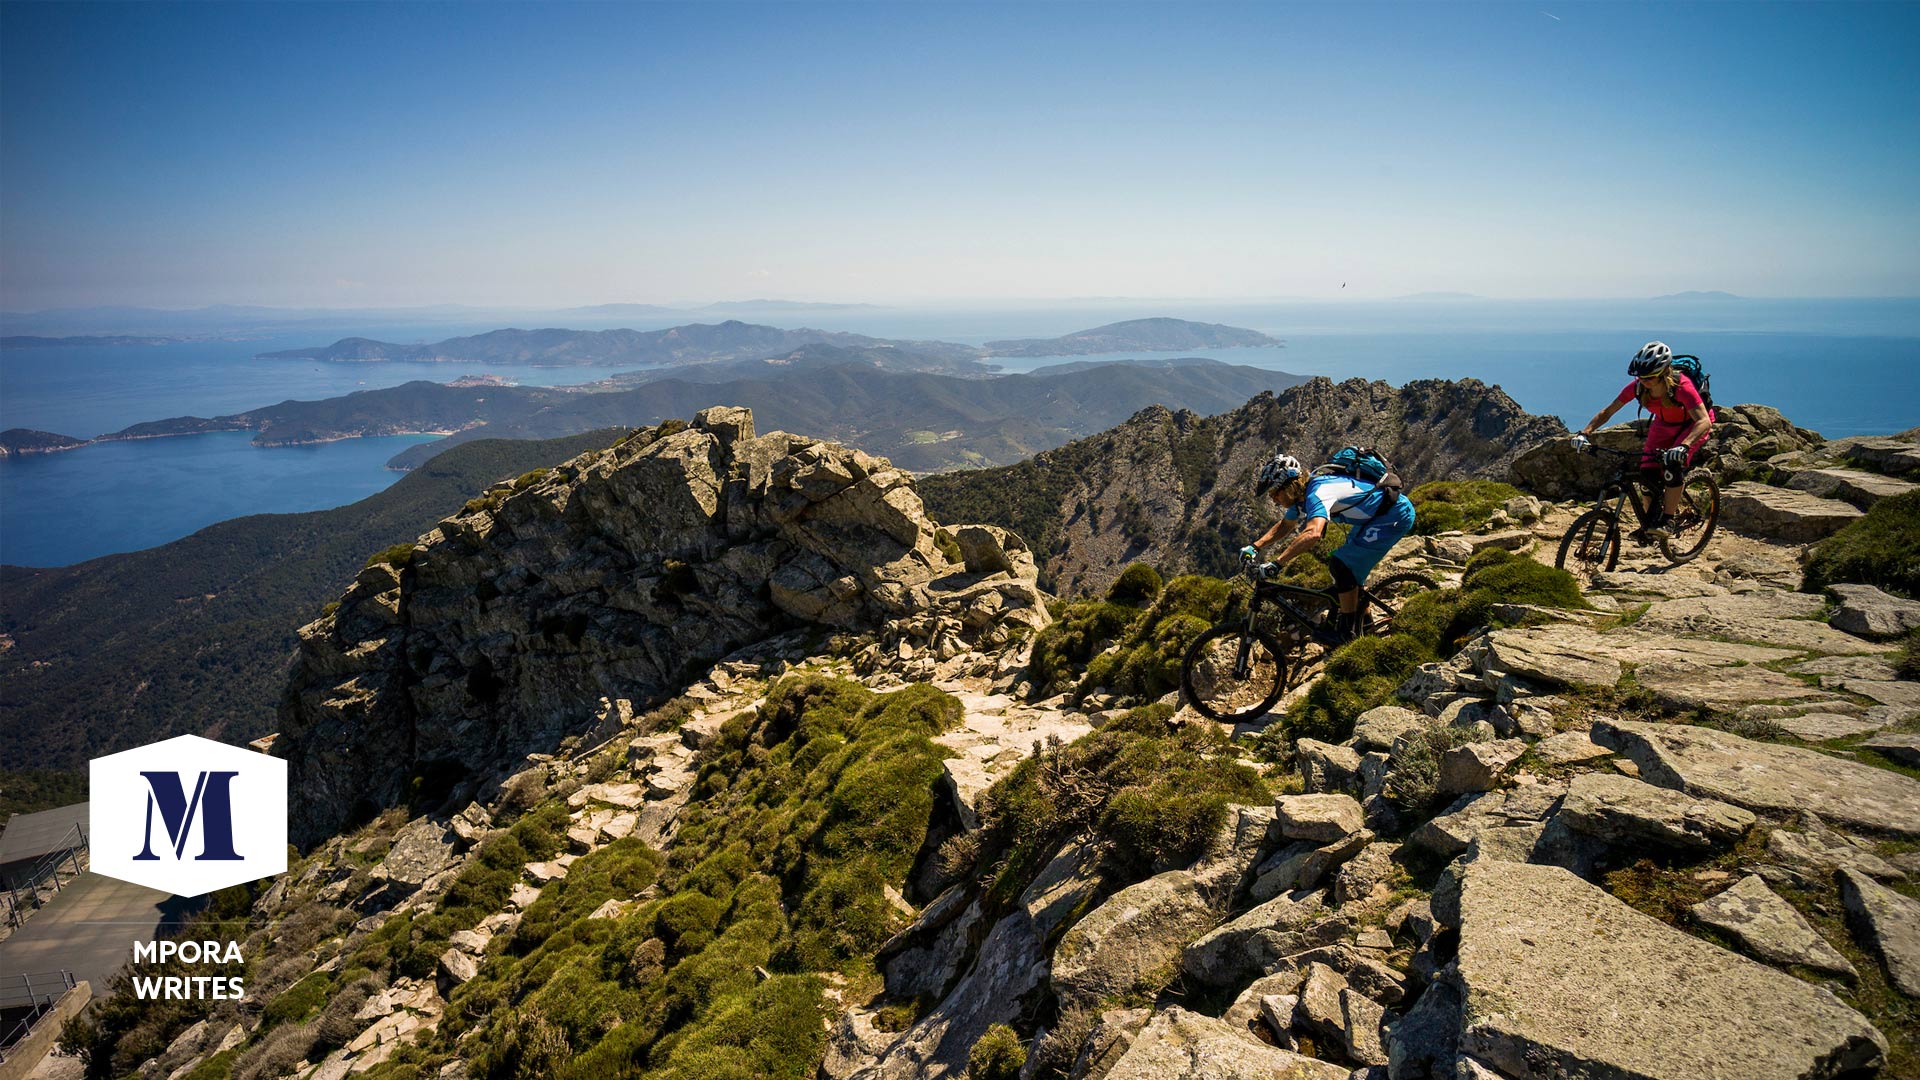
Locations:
column 948, row 546
column 1079, row 630
column 397, row 556
column 1414, row 783
column 1881, row 549
column 997, row 1055
column 529, row 478
column 217, row 1067
column 297, row 1002
column 1138, row 584
column 1447, row 505
column 1908, row 664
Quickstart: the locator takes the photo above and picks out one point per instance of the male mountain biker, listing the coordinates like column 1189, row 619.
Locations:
column 1680, row 426
column 1378, row 518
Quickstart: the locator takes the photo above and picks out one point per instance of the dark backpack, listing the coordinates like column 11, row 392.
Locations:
column 1364, row 464
column 1690, row 367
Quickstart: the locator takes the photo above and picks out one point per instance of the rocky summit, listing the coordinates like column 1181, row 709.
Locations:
column 570, row 598
column 710, row 755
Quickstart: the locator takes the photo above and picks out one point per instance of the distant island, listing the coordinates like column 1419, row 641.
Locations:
column 14, row 441
column 30, row 342
column 695, row 343
column 1149, row 335
column 1714, row 294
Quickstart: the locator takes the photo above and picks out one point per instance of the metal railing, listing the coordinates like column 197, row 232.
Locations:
column 37, row 993
column 25, row 897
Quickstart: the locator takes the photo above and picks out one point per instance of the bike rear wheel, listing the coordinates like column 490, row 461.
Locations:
column 1591, row 546
column 1699, row 514
column 1388, row 594
column 1232, row 674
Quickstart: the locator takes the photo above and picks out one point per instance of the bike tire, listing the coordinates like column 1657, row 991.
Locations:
column 1593, row 541
column 1226, row 700
column 1698, row 487
column 1390, row 592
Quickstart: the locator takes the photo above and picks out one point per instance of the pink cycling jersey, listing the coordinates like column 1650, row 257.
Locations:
column 1670, row 420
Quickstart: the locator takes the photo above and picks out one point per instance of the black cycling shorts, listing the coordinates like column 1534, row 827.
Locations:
column 1343, row 579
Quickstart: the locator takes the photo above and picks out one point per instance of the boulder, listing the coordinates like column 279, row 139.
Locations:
column 422, row 849
column 1887, row 924
column 1320, row 818
column 1554, row 470
column 1769, row 927
column 1557, row 978
column 1870, row 613
column 1301, row 865
column 1319, row 1009
column 1366, row 874
column 1896, row 454
column 1131, row 943
column 1628, row 812
column 1379, row 728
column 1451, row 833
column 1108, row 1042
column 1182, row 1045
column 1818, row 850
column 1477, row 766
column 1247, row 946
column 1326, row 767
column 1360, row 1019
column 1766, row 777
column 1773, row 513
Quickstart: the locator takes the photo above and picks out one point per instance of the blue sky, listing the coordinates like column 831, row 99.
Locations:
column 372, row 155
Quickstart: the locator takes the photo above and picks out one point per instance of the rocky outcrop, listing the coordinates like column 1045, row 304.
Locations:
column 515, row 623
column 1782, row 513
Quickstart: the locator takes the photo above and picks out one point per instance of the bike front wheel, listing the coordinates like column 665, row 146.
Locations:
column 1693, row 526
column 1232, row 674
column 1591, row 546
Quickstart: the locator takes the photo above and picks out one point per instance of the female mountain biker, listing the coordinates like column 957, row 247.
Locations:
column 1379, row 518
column 1681, row 424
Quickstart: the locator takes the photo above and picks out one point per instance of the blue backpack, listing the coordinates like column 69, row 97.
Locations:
column 1364, row 464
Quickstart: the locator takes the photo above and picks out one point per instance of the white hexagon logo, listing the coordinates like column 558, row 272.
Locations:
column 188, row 815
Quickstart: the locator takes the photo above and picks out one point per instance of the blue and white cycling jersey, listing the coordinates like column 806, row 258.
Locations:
column 1339, row 498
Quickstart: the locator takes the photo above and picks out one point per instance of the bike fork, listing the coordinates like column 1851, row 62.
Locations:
column 1243, row 658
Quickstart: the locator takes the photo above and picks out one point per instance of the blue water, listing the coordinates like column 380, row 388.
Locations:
column 103, row 498
column 1839, row 367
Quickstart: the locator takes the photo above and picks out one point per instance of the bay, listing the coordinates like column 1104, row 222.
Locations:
column 119, row 496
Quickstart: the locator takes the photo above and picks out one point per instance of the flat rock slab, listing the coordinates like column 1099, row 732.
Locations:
column 1182, row 1045
column 1886, row 923
column 1320, row 818
column 1766, row 777
column 1904, row 749
column 1558, row 979
column 1821, row 727
column 1783, row 619
column 1868, row 612
column 1782, row 514
column 1625, row 811
column 1568, row 748
column 1683, row 686
column 1669, row 586
column 1568, row 655
column 1769, row 927
column 1853, row 486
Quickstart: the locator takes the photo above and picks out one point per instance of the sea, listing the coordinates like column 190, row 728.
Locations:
column 1838, row 367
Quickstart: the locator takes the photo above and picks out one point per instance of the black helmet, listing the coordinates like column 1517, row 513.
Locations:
column 1653, row 358
column 1281, row 469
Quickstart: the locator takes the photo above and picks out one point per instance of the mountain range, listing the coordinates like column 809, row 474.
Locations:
column 1163, row 335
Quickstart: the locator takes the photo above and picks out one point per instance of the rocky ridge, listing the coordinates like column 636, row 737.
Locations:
column 1661, row 844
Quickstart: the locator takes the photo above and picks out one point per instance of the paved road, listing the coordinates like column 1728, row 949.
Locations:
column 89, row 929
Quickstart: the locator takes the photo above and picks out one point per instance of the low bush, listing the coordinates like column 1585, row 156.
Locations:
column 1447, row 505
column 1158, row 793
column 1143, row 662
column 1881, row 549
column 998, row 1055
column 397, row 556
column 1137, row 584
column 1908, row 663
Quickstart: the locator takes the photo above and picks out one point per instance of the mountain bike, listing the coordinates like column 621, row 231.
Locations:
column 1592, row 544
column 1241, row 667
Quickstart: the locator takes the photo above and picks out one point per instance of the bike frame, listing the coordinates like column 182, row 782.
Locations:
column 1624, row 488
column 1275, row 593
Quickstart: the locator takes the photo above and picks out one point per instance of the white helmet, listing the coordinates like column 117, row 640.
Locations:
column 1281, row 469
column 1653, row 358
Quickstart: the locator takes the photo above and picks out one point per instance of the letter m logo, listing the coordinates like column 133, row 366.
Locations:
column 211, row 802
column 188, row 815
